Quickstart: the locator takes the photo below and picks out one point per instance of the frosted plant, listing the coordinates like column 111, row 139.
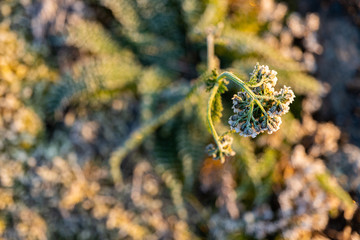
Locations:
column 258, row 107
column 225, row 143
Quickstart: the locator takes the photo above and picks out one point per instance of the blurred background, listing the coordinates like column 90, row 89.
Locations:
column 96, row 89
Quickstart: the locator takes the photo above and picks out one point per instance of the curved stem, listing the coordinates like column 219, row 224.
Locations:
column 261, row 107
column 236, row 80
column 257, row 84
column 251, row 111
column 265, row 97
column 209, row 118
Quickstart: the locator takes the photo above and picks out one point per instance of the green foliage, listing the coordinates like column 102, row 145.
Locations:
column 179, row 145
column 63, row 93
column 217, row 107
column 178, row 152
column 91, row 36
column 139, row 65
column 156, row 35
column 138, row 136
column 191, row 143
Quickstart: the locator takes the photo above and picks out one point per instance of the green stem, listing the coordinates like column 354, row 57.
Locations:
column 258, row 84
column 236, row 80
column 261, row 107
column 265, row 97
column 251, row 112
column 209, row 119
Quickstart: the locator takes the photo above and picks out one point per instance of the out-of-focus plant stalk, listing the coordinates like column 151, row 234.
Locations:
column 211, row 61
column 138, row 136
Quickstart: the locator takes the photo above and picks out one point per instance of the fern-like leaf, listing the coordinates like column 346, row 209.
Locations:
column 91, row 36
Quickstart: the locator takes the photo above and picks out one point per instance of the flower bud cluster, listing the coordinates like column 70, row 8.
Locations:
column 263, row 79
column 225, row 148
column 260, row 110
